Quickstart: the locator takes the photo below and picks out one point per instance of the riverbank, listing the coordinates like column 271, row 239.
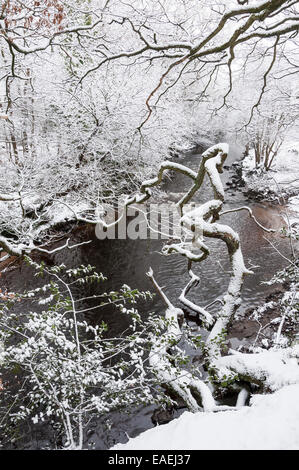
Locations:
column 271, row 422
column 281, row 181
column 117, row 258
column 278, row 185
column 268, row 421
column 274, row 323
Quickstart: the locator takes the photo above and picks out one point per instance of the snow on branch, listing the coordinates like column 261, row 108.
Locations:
column 201, row 222
column 245, row 208
column 203, row 314
column 271, row 370
column 179, row 381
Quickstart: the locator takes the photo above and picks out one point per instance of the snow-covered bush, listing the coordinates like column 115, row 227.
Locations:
column 62, row 371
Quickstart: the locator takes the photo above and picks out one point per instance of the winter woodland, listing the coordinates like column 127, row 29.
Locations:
column 103, row 105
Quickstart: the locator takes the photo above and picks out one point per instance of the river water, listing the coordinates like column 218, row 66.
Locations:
column 127, row 261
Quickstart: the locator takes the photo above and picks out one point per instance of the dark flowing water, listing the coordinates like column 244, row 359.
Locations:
column 126, row 262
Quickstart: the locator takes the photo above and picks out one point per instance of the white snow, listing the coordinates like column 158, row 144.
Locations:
column 222, row 147
column 270, row 423
column 293, row 205
column 283, row 177
column 286, row 165
column 274, row 368
column 248, row 162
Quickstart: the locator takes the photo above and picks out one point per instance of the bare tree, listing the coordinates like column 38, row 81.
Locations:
column 154, row 70
column 235, row 369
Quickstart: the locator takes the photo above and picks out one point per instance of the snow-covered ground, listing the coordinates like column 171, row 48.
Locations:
column 293, row 206
column 280, row 183
column 271, row 422
column 282, row 179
